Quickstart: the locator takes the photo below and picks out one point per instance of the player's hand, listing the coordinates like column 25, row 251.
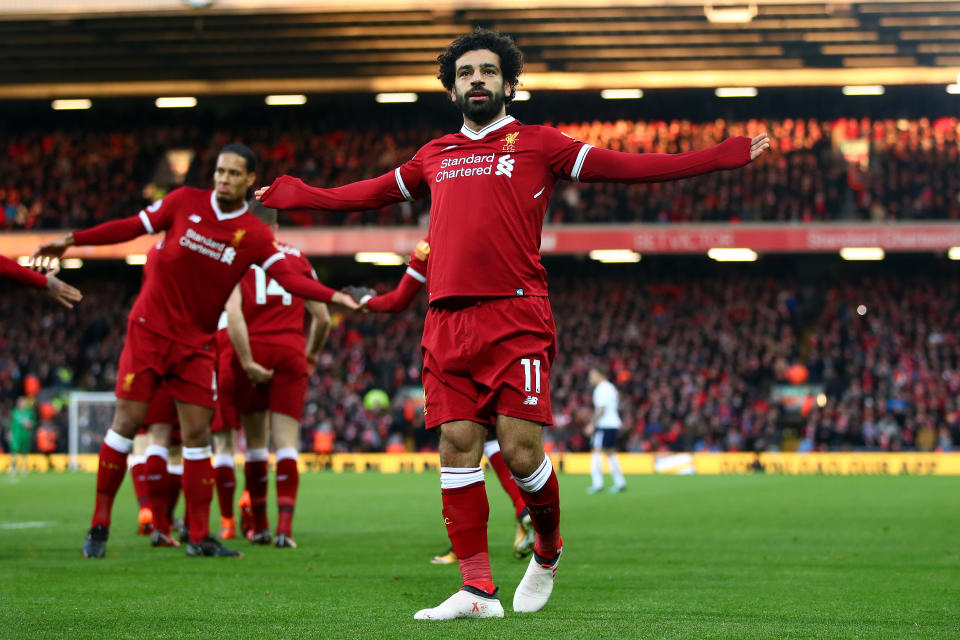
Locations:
column 341, row 298
column 759, row 145
column 360, row 294
column 48, row 252
column 259, row 193
column 257, row 373
column 312, row 360
column 62, row 292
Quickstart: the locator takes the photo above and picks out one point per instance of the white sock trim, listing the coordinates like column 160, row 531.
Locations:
column 535, row 481
column 223, row 460
column 135, row 460
column 459, row 477
column 117, row 442
column 158, row 450
column 287, row 453
column 491, row 447
column 175, row 469
column 258, row 455
column 197, row 453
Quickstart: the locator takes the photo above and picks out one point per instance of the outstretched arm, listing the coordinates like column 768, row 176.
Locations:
column 10, row 270
column 413, row 279
column 112, row 232
column 401, row 297
column 604, row 165
column 304, row 287
column 56, row 288
column 287, row 192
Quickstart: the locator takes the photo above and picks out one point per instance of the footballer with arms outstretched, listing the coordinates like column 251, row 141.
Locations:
column 489, row 336
column 211, row 240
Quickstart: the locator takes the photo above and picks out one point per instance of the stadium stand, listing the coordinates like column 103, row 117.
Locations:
column 65, row 180
column 698, row 354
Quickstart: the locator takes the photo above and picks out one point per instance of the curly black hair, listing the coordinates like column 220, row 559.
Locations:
column 511, row 59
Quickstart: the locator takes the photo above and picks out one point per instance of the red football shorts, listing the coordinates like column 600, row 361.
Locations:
column 225, row 415
column 149, row 360
column 488, row 357
column 287, row 389
column 163, row 409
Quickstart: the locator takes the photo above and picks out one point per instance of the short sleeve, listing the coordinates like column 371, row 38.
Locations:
column 159, row 215
column 563, row 154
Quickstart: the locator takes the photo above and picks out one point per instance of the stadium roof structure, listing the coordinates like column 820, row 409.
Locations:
column 100, row 48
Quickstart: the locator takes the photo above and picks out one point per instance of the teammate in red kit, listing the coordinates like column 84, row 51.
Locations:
column 211, row 240
column 272, row 363
column 56, row 288
column 223, row 431
column 399, row 299
column 489, row 337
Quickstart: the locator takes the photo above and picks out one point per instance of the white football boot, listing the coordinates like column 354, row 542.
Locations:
column 466, row 603
column 537, row 584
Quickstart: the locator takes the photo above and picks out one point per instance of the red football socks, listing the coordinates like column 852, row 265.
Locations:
column 138, row 474
column 198, row 484
column 288, row 479
column 113, row 466
column 507, row 482
column 226, row 485
column 174, row 487
column 544, row 508
column 256, row 476
column 158, row 491
column 465, row 513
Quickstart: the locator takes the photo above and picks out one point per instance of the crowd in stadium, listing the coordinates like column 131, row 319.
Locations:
column 695, row 359
column 73, row 180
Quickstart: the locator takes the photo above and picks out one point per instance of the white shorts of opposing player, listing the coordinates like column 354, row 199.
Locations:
column 463, row 604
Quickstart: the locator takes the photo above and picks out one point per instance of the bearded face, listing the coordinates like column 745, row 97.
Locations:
column 481, row 104
column 479, row 88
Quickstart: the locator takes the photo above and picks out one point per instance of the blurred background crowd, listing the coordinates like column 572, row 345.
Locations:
column 706, row 357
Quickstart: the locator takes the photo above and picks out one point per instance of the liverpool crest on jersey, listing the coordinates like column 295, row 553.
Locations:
column 509, row 143
column 238, row 237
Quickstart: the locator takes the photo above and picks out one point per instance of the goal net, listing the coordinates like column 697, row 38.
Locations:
column 90, row 415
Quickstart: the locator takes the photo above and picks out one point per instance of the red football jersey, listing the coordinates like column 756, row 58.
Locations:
column 272, row 314
column 204, row 254
column 490, row 190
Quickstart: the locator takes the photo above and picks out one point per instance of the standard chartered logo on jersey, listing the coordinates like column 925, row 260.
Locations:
column 475, row 165
column 211, row 248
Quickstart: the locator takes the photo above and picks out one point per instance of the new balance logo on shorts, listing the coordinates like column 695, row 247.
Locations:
column 531, row 400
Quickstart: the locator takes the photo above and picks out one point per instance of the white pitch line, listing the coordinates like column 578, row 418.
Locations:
column 23, row 525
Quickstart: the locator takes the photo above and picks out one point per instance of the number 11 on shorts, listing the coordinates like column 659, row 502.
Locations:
column 525, row 363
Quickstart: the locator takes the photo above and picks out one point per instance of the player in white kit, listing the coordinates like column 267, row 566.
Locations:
column 605, row 425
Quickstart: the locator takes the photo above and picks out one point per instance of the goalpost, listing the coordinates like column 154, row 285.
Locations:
column 90, row 413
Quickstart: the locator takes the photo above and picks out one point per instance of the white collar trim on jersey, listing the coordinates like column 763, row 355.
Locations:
column 226, row 216
column 493, row 126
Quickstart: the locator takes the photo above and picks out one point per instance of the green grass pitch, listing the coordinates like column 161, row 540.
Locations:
column 759, row 556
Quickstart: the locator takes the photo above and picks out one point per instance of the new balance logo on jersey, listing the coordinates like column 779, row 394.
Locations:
column 531, row 400
column 194, row 218
column 505, row 166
